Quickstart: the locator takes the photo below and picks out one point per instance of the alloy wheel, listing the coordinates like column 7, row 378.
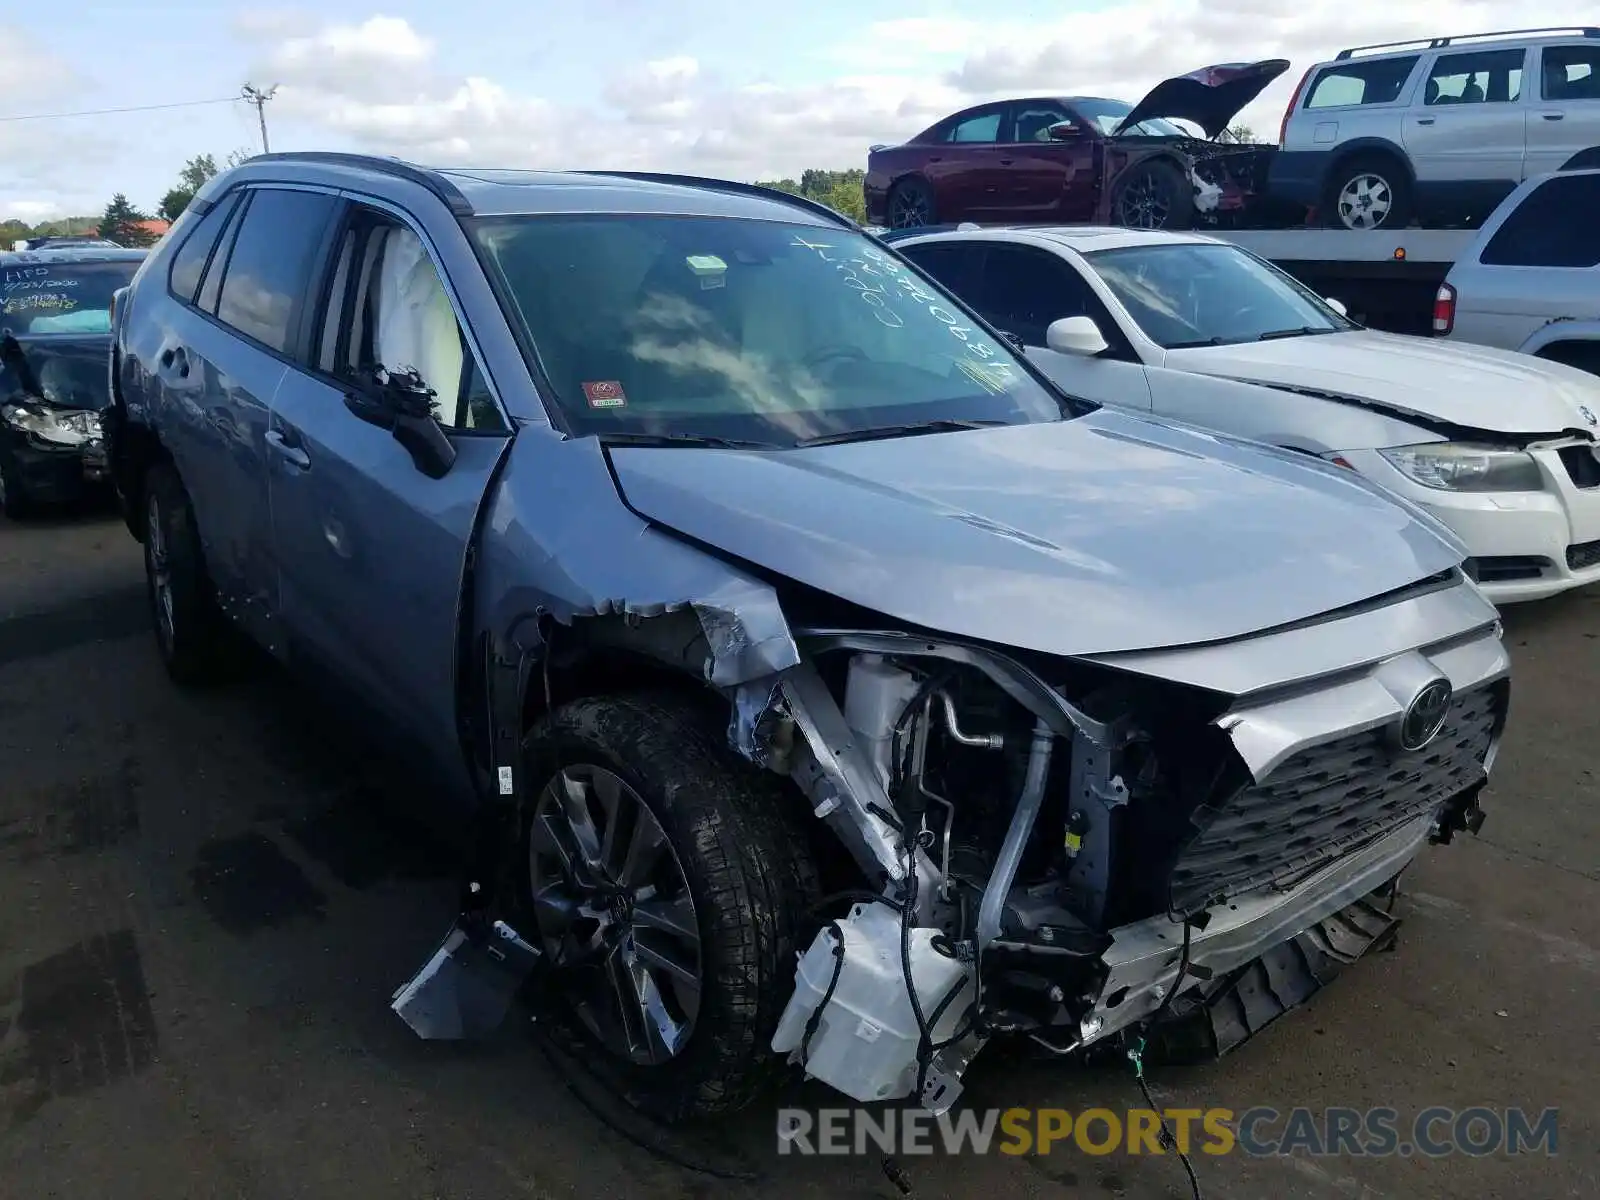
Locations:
column 612, row 905
column 160, row 570
column 1365, row 201
column 909, row 210
column 1144, row 204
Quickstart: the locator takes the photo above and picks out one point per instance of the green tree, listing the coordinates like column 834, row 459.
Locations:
column 839, row 190
column 1239, row 133
column 191, row 179
column 120, row 223
column 12, row 230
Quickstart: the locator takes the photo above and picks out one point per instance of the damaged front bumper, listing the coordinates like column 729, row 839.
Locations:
column 1147, row 960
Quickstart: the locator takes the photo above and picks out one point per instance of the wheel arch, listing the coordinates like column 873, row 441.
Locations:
column 1357, row 147
column 1583, row 160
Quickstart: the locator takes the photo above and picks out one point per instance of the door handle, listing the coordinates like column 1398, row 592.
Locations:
column 1552, row 116
column 1425, row 120
column 283, row 449
column 1006, row 162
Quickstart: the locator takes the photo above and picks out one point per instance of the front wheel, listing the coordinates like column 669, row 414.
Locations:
column 670, row 893
column 1154, row 195
column 14, row 501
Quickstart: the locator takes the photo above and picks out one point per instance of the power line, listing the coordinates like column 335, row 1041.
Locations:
column 102, row 112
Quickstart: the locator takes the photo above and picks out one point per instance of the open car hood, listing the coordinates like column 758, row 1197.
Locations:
column 1210, row 97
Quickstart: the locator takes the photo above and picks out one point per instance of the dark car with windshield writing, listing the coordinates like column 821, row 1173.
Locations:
column 55, row 337
column 706, row 555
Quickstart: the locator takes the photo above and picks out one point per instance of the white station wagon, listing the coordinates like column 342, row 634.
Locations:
column 1500, row 447
column 1442, row 128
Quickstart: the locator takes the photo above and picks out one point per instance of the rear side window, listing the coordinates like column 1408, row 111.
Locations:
column 1377, row 82
column 189, row 263
column 1551, row 228
column 1570, row 73
column 1487, row 77
column 954, row 265
column 269, row 268
column 979, row 127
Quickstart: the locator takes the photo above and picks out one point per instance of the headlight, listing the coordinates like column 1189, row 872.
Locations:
column 1459, row 467
column 54, row 426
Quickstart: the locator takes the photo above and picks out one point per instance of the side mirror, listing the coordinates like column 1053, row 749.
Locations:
column 1336, row 305
column 1064, row 131
column 403, row 404
column 1076, row 335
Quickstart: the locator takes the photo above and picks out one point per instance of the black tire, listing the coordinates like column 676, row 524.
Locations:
column 1153, row 195
column 911, row 204
column 195, row 640
column 1395, row 192
column 15, row 503
column 748, row 867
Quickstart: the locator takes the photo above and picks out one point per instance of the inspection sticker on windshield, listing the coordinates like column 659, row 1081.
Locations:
column 605, row 393
column 709, row 269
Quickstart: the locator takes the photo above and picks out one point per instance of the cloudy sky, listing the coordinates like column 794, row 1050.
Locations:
column 725, row 87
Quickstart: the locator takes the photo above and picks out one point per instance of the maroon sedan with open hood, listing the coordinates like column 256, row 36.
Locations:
column 1082, row 159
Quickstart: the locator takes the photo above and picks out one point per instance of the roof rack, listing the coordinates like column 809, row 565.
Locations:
column 452, row 197
column 1588, row 31
column 737, row 189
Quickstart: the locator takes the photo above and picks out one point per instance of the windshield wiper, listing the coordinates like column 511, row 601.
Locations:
column 1210, row 341
column 941, row 425
column 625, row 438
column 1303, row 331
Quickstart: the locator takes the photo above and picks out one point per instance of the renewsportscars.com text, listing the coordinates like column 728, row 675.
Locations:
column 1260, row 1132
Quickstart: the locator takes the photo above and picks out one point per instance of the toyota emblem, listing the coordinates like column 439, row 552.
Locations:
column 1425, row 715
column 1587, row 414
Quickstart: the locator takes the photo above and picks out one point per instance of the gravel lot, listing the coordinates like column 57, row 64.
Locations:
column 205, row 903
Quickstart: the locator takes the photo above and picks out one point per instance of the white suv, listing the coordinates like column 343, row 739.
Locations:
column 1442, row 130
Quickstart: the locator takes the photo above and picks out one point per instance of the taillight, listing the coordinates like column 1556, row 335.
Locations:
column 1283, row 129
column 1444, row 310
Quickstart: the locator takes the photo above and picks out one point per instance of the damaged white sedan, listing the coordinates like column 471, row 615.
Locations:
column 1500, row 447
column 823, row 685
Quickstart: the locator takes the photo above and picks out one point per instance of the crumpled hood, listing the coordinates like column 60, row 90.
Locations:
column 1109, row 532
column 66, row 370
column 1497, row 391
column 1210, row 97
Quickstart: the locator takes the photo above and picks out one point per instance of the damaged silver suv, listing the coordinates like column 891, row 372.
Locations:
column 824, row 686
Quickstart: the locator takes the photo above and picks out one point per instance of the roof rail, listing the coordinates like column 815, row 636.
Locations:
column 1588, row 31
column 737, row 189
column 452, row 197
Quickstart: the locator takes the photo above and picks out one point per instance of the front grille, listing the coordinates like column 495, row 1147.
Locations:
column 1583, row 555
column 1329, row 800
column 1582, row 465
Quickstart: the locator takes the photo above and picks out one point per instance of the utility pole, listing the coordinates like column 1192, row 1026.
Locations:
column 254, row 95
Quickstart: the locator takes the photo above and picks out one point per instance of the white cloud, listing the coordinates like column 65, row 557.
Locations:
column 42, row 158
column 381, row 84
column 899, row 76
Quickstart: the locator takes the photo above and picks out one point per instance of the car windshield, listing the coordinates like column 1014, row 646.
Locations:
column 1107, row 113
column 1186, row 294
column 757, row 331
column 69, row 297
